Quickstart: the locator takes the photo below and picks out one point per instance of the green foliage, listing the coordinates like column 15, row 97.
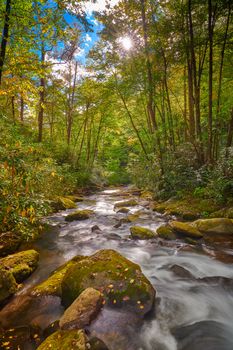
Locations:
column 29, row 177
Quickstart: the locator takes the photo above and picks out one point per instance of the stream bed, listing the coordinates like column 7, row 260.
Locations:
column 194, row 300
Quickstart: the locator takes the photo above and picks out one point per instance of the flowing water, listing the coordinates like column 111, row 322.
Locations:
column 194, row 304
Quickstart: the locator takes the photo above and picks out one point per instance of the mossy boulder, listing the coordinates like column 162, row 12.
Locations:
column 139, row 232
column 80, row 215
column 62, row 203
column 52, row 286
column 215, row 226
column 75, row 198
column 185, row 229
column 166, row 232
column 8, row 285
column 65, row 340
column 83, row 310
column 129, row 203
column 21, row 264
column 9, row 243
column 123, row 210
column 120, row 280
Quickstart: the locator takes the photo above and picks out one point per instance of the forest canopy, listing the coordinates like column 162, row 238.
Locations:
column 150, row 104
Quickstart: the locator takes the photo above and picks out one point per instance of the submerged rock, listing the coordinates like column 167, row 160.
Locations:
column 185, row 229
column 21, row 264
column 83, row 310
column 139, row 232
column 166, row 232
column 79, row 215
column 120, row 280
column 129, row 203
column 9, row 243
column 8, row 285
column 215, row 226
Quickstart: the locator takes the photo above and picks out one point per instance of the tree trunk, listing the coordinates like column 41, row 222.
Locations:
column 42, row 99
column 21, row 109
column 5, row 36
column 210, row 98
column 71, row 106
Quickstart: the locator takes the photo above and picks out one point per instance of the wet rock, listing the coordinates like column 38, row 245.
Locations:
column 9, row 243
column 52, row 286
column 123, row 210
column 218, row 281
column 180, row 271
column 118, row 224
column 95, row 228
column 208, row 335
column 139, row 232
column 165, row 232
column 97, row 344
column 21, row 264
column 80, row 215
column 30, row 310
column 65, row 340
column 83, row 310
column 8, row 285
column 129, row 203
column 214, row 226
column 120, row 280
column 185, row 229
column 62, row 203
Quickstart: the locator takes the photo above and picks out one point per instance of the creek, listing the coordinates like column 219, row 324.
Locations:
column 194, row 301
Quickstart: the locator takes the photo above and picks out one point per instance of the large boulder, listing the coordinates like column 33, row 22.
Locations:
column 65, row 340
column 215, row 226
column 139, row 232
column 71, row 340
column 79, row 215
column 121, row 281
column 62, row 203
column 83, row 310
column 9, row 243
column 52, row 285
column 8, row 285
column 21, row 264
column 185, row 229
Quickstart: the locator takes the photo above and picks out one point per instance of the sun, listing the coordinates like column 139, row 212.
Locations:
column 126, row 43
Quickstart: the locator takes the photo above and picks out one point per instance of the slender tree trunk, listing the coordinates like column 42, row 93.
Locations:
column 71, row 106
column 230, row 132
column 42, row 98
column 84, row 133
column 210, row 98
column 5, row 36
column 13, row 107
column 185, row 105
column 217, row 121
column 21, row 109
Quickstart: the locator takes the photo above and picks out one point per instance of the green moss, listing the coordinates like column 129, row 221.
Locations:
column 8, row 285
column 186, row 229
column 188, row 208
column 123, row 210
column 129, row 203
column 223, row 213
column 21, row 264
column 65, row 340
column 215, row 226
column 120, row 280
column 79, row 215
column 141, row 232
column 52, row 286
column 75, row 198
column 9, row 243
column 166, row 232
column 62, row 203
